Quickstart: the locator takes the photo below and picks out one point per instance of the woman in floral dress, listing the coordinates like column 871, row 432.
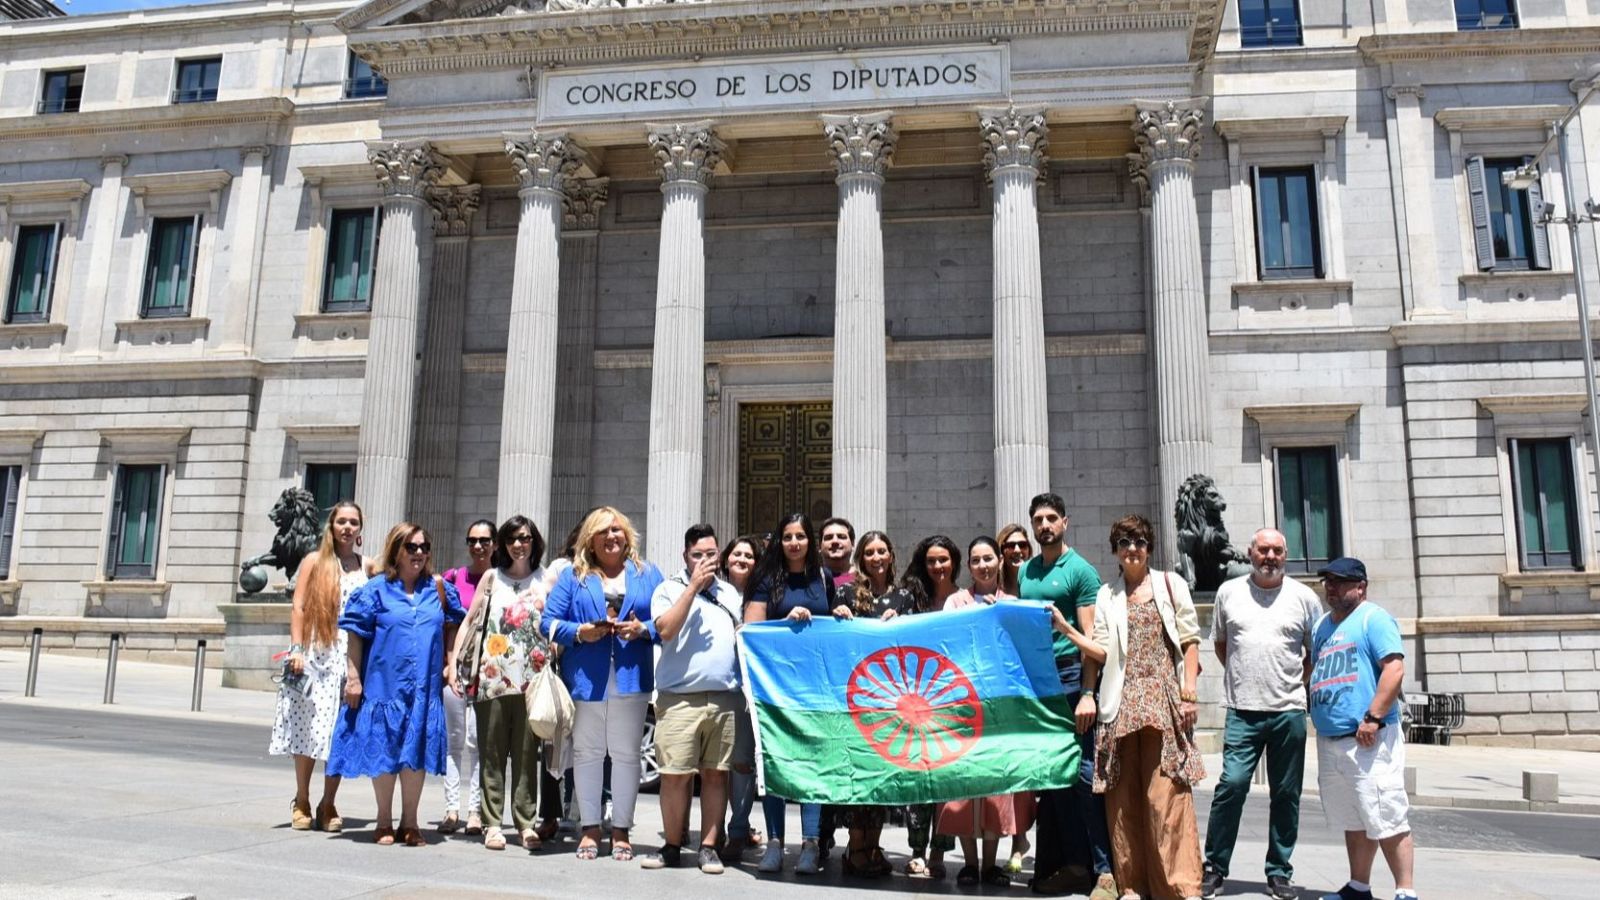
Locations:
column 505, row 618
column 303, row 726
column 1146, row 638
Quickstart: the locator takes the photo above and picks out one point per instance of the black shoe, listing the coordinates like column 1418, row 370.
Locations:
column 668, row 858
column 1349, row 893
column 1279, row 888
column 1211, row 884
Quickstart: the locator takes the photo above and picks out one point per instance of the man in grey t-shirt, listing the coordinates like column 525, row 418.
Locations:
column 1261, row 628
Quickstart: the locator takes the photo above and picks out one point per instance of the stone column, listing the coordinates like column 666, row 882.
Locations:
column 433, row 477
column 406, row 169
column 686, row 153
column 580, row 262
column 1168, row 135
column 106, row 214
column 543, row 160
column 244, row 266
column 861, row 147
column 1014, row 142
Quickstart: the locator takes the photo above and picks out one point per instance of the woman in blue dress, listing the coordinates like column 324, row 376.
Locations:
column 393, row 719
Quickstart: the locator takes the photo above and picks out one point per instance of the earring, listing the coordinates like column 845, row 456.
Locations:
column 358, row 540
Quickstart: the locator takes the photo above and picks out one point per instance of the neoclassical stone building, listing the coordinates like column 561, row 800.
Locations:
column 906, row 262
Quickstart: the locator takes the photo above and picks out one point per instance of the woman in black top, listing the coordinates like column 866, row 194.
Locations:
column 930, row 579
column 789, row 582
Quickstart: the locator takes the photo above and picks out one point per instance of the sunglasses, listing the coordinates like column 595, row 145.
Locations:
column 521, row 539
column 418, row 547
column 1134, row 543
column 479, row 542
column 1016, row 545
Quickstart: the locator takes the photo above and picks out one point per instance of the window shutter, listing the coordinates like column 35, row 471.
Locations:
column 159, row 492
column 11, row 476
column 1539, row 249
column 1255, row 206
column 114, row 538
column 1478, row 198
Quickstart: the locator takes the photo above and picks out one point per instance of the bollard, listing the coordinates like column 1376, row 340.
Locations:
column 1541, row 787
column 33, row 663
column 199, row 675
column 111, row 668
column 1411, row 781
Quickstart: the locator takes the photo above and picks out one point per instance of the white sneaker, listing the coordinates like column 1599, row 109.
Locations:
column 771, row 858
column 810, row 859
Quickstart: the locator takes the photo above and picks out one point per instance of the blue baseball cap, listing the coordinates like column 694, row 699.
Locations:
column 1345, row 568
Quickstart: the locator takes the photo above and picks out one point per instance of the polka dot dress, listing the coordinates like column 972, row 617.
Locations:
column 304, row 724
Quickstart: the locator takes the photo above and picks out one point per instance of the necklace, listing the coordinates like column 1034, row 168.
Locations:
column 346, row 567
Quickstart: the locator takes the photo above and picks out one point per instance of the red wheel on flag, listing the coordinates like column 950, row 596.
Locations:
column 915, row 707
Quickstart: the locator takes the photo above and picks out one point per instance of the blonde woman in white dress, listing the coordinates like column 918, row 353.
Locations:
column 303, row 726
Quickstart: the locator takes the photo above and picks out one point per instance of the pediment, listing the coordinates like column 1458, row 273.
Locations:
column 377, row 13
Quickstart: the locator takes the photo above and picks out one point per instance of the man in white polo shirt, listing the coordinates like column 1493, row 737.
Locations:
column 697, row 684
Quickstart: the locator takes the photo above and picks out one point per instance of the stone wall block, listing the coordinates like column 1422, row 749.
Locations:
column 1566, row 701
column 1528, row 681
column 1534, row 723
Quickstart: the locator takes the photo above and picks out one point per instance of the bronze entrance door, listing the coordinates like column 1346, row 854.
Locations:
column 785, row 463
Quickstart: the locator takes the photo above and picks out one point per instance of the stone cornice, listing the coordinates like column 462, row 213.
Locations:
column 749, row 27
column 64, row 190
column 1013, row 138
column 1289, row 126
column 1467, row 118
column 1517, row 42
column 179, row 116
column 1303, row 413
column 166, row 20
column 180, row 369
column 1543, row 404
column 860, row 144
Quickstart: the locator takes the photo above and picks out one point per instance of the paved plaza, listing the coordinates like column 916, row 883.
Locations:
column 146, row 799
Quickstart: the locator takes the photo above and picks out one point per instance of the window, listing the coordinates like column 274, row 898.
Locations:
column 33, row 273
column 1269, row 23
column 63, row 91
column 1478, row 15
column 10, row 484
column 330, row 483
column 1544, row 492
column 1503, row 219
column 197, row 80
column 1289, row 245
column 136, row 522
column 361, row 83
column 1308, row 506
column 169, row 270
column 352, row 247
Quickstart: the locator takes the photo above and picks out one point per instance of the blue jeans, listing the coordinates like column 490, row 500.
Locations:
column 810, row 818
column 1072, row 821
column 741, row 796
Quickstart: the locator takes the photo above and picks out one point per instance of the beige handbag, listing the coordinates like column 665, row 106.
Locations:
column 550, row 708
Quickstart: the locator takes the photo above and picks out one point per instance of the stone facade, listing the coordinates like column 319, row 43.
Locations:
column 569, row 310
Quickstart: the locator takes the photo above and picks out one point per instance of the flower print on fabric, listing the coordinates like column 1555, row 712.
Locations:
column 514, row 649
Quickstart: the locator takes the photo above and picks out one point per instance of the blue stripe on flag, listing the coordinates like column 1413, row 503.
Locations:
column 1004, row 649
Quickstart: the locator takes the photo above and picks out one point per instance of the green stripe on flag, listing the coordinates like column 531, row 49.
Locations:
column 1024, row 744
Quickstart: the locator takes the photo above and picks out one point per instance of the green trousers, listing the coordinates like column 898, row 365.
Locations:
column 1282, row 736
column 503, row 732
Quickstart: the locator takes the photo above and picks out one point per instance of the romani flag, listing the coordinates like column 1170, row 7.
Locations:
column 919, row 709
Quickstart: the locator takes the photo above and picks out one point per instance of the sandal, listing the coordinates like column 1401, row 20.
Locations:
column 621, row 852
column 589, row 851
column 916, row 865
column 474, row 823
column 549, row 828
column 968, row 875
column 299, row 816
column 412, row 837
column 530, row 840
column 494, row 840
column 996, row 877
column 384, row 836
column 449, row 823
column 328, row 821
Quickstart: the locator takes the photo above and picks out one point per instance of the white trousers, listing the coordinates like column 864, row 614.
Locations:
column 462, row 726
column 613, row 726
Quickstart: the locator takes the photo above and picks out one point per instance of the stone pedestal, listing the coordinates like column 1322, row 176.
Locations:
column 1014, row 157
column 389, row 386
column 543, row 162
column 687, row 154
column 1168, row 136
column 861, row 147
column 252, row 634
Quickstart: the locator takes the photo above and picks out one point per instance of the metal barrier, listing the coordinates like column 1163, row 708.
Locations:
column 199, row 676
column 33, row 663
column 111, row 669
column 1431, row 718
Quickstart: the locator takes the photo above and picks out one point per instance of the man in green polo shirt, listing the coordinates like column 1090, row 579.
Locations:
column 1074, row 851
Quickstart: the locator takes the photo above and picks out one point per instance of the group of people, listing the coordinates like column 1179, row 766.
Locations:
column 388, row 658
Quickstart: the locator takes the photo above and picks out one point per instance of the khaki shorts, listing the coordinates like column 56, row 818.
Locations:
column 695, row 731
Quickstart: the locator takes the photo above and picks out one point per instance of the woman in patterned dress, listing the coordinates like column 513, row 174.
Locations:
column 1146, row 639
column 303, row 725
column 505, row 619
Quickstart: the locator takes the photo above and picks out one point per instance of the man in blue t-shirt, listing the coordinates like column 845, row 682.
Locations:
column 1358, row 664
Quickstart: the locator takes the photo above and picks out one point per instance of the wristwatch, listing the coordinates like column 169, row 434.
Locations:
column 1369, row 717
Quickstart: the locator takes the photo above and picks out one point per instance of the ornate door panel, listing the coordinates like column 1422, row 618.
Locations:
column 785, row 463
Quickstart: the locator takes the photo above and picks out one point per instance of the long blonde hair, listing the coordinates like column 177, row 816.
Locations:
column 319, row 596
column 597, row 521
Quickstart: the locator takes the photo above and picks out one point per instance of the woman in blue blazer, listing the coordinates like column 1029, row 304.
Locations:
column 599, row 611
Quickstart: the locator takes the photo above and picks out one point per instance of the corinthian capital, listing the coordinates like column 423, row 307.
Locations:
column 582, row 202
column 685, row 151
column 860, row 144
column 405, row 168
column 543, row 160
column 1013, row 137
column 1167, row 131
column 453, row 209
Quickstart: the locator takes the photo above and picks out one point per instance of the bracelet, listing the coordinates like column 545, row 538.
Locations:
column 296, row 648
column 1189, row 696
column 1089, row 694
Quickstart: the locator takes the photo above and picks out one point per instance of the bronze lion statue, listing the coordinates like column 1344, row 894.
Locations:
column 299, row 522
column 1205, row 557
